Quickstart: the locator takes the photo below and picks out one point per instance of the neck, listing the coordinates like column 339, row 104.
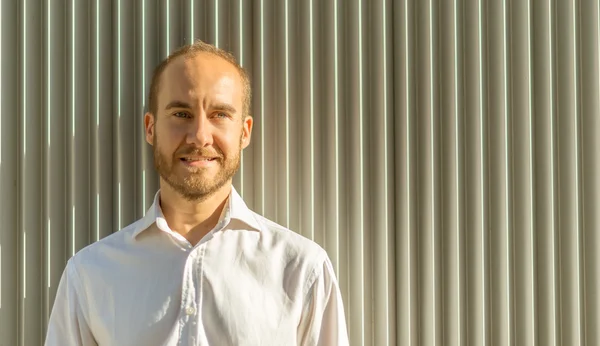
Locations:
column 192, row 219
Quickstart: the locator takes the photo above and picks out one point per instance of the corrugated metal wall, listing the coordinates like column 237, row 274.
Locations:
column 445, row 153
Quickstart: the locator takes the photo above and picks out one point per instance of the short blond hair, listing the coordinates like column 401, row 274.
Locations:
column 193, row 49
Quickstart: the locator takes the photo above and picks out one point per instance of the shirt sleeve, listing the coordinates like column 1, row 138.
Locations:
column 323, row 322
column 68, row 325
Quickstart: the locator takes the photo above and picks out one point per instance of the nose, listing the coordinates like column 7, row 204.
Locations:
column 200, row 132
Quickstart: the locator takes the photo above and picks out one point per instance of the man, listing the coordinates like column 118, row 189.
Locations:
column 200, row 268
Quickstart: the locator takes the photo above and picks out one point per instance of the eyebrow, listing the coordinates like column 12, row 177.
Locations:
column 224, row 107
column 177, row 104
column 218, row 106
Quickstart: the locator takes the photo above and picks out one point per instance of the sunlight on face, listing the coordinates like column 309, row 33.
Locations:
column 199, row 131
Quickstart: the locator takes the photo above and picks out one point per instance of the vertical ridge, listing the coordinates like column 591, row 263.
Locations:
column 459, row 316
column 433, row 173
column 482, row 176
column 23, row 150
column 577, row 138
column 531, row 175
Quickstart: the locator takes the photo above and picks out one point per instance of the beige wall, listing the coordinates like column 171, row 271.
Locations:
column 445, row 153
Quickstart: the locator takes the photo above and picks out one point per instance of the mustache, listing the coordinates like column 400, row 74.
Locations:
column 193, row 151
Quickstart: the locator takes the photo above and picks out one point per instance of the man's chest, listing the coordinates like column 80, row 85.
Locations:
column 193, row 302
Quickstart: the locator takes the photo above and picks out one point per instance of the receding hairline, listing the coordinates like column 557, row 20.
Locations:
column 193, row 54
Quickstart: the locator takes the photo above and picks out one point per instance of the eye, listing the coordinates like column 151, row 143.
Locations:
column 221, row 115
column 182, row 115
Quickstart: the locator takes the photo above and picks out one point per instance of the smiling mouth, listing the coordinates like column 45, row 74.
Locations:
column 196, row 159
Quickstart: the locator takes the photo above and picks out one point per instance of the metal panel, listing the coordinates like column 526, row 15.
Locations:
column 444, row 153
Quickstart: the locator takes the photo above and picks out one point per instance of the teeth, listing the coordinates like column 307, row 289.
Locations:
column 191, row 159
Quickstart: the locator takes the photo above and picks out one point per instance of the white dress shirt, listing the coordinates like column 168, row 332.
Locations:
column 247, row 282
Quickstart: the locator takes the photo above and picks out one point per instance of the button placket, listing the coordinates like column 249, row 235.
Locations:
column 198, row 281
column 190, row 310
column 188, row 296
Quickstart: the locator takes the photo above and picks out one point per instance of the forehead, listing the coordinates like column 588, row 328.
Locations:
column 200, row 77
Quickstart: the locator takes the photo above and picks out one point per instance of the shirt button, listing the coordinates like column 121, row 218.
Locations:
column 190, row 310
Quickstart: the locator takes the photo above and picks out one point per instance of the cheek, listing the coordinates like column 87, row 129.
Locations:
column 228, row 141
column 176, row 130
column 169, row 137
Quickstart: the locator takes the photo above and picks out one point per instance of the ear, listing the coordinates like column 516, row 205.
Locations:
column 149, row 127
column 246, row 131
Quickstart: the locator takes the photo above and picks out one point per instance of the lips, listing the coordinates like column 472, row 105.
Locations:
column 197, row 159
column 194, row 162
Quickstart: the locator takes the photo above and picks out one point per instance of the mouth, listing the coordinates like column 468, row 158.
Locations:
column 196, row 161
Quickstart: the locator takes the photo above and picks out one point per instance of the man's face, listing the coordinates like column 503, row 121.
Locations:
column 199, row 130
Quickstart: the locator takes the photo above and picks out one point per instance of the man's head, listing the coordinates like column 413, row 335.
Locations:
column 199, row 120
column 189, row 50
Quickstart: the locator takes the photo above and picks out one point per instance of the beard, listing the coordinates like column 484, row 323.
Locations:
column 195, row 185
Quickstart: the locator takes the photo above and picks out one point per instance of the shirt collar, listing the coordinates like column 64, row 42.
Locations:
column 236, row 209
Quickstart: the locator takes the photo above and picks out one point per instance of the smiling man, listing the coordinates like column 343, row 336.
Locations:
column 200, row 268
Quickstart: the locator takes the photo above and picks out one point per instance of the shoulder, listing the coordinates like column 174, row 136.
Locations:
column 295, row 244
column 104, row 248
column 303, row 258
